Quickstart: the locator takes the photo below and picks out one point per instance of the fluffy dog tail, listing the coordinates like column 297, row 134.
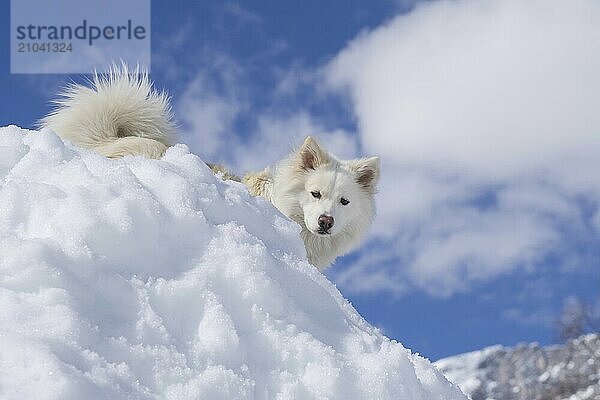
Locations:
column 119, row 113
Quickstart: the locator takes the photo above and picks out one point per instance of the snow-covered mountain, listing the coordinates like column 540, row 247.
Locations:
column 529, row 372
column 152, row 279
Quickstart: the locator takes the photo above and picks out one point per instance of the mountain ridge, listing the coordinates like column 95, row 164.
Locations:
column 529, row 371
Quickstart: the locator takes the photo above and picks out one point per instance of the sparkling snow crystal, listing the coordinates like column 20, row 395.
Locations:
column 152, row 279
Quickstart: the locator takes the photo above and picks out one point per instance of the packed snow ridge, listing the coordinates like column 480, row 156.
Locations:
column 152, row 279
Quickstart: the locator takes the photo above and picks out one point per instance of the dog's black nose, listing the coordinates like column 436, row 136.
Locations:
column 325, row 222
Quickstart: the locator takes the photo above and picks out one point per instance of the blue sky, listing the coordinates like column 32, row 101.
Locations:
column 486, row 125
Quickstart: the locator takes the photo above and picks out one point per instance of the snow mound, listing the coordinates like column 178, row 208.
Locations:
column 152, row 279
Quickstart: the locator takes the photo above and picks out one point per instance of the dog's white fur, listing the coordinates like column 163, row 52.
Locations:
column 310, row 169
column 120, row 113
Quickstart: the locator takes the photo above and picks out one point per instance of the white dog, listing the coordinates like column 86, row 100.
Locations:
column 332, row 200
column 119, row 114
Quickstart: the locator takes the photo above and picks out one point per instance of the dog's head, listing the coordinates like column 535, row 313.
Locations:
column 335, row 192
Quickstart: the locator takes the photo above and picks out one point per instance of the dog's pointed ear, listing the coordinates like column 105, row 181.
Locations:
column 311, row 155
column 367, row 172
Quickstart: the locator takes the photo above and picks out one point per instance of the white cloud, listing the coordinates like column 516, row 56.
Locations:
column 209, row 118
column 276, row 135
column 486, row 116
column 479, row 85
column 220, row 95
column 544, row 317
column 365, row 280
column 208, row 113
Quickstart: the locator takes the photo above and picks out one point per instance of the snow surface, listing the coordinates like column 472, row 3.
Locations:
column 152, row 279
column 529, row 371
column 463, row 368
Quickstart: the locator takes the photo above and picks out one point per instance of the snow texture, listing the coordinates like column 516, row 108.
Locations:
column 529, row 372
column 152, row 279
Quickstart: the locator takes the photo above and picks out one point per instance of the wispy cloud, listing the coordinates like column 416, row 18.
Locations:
column 247, row 112
column 220, row 123
column 211, row 104
column 544, row 317
column 485, row 116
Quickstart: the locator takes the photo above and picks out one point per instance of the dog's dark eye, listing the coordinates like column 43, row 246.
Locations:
column 316, row 194
column 344, row 201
